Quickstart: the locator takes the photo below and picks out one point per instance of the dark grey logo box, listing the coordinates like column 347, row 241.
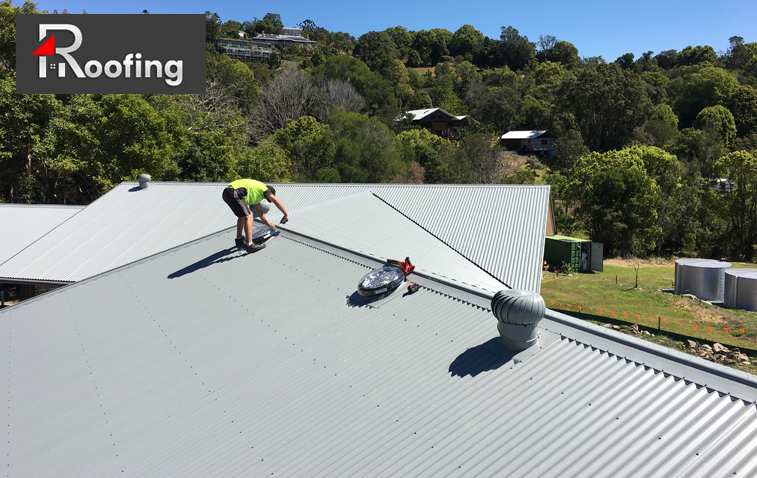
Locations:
column 168, row 48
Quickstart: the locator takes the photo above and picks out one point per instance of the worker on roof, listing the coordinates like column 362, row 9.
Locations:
column 240, row 195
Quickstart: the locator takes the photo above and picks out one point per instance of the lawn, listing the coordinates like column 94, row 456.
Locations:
column 610, row 297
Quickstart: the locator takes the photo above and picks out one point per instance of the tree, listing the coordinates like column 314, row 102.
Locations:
column 690, row 56
column 308, row 144
column 413, row 59
column 569, row 148
column 365, row 149
column 607, row 102
column 743, row 106
column 482, row 157
column 561, row 52
column 377, row 92
column 402, row 39
column 719, row 119
column 661, row 127
column 515, row 50
column 617, row 201
column 376, row 49
column 8, row 14
column 741, row 203
column 499, row 106
column 667, row 59
column 212, row 27
column 698, row 148
column 709, row 86
column 464, row 41
column 625, row 61
column 288, row 96
column 266, row 163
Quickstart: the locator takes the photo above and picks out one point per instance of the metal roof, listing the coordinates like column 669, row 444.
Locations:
column 202, row 361
column 124, row 225
column 364, row 223
column 22, row 224
column 523, row 134
column 499, row 228
column 419, row 115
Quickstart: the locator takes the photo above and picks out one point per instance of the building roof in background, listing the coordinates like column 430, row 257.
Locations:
column 23, row 224
column 420, row 115
column 527, row 134
column 499, row 228
column 203, row 361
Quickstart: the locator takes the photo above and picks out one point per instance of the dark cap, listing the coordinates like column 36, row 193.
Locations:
column 242, row 193
column 270, row 190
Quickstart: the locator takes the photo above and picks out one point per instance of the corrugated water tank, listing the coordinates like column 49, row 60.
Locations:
column 704, row 278
column 741, row 289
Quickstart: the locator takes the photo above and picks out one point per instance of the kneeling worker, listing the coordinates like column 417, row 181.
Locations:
column 240, row 195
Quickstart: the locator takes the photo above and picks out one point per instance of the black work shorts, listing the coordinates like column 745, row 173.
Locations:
column 235, row 202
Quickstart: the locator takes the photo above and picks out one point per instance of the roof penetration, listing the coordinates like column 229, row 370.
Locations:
column 23, row 224
column 204, row 361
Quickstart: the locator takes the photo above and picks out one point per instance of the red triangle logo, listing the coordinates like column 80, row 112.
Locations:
column 47, row 48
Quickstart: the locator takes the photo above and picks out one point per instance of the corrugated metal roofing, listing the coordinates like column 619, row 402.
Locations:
column 205, row 362
column 523, row 134
column 124, row 225
column 22, row 224
column 365, row 224
column 499, row 228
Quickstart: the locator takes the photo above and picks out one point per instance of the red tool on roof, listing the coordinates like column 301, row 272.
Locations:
column 406, row 267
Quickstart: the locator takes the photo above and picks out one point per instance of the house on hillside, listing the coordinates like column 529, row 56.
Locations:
column 245, row 50
column 529, row 141
column 287, row 36
column 438, row 121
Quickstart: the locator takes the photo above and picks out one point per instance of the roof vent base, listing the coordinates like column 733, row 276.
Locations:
column 518, row 337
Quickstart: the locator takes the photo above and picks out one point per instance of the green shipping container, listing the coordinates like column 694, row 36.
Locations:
column 578, row 252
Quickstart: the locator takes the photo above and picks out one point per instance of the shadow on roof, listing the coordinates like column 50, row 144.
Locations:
column 217, row 258
column 482, row 358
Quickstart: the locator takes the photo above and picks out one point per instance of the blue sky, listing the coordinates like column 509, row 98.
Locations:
column 597, row 28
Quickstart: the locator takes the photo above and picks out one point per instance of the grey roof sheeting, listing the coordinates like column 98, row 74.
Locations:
column 500, row 228
column 22, row 224
column 366, row 224
column 202, row 361
column 122, row 226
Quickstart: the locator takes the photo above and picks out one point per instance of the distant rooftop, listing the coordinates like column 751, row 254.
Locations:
column 526, row 134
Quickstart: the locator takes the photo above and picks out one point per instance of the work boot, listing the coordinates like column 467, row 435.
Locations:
column 239, row 241
column 254, row 247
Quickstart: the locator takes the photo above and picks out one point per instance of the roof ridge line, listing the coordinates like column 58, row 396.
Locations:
column 443, row 241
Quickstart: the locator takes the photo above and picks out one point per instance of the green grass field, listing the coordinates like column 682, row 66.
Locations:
column 601, row 294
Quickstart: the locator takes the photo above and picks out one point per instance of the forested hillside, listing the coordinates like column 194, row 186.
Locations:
column 640, row 141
